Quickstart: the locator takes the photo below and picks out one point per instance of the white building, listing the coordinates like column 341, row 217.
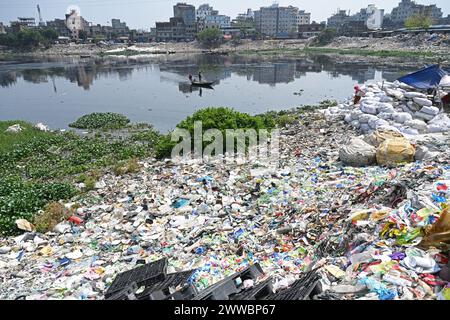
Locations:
column 207, row 18
column 75, row 23
column 277, row 21
column 206, row 10
column 304, row 17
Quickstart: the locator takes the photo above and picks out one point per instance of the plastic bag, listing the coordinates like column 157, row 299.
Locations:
column 395, row 150
column 423, row 101
column 401, row 117
column 379, row 136
column 357, row 153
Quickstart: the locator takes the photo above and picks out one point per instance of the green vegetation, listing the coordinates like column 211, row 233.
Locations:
column 215, row 118
column 38, row 167
column 419, row 20
column 99, row 120
column 210, row 37
column 325, row 37
column 53, row 213
column 29, row 39
column 378, row 53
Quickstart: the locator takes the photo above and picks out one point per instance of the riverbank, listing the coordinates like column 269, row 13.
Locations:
column 404, row 46
column 309, row 211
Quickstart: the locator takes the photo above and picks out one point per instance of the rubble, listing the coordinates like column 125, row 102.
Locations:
column 314, row 226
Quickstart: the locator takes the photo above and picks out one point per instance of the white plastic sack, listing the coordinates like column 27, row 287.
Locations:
column 386, row 108
column 355, row 114
column 355, row 124
column 436, row 128
column 401, row 117
column 385, row 116
column 364, row 127
column 423, row 116
column 386, row 99
column 365, row 118
column 411, row 95
column 409, row 131
column 348, row 118
column 375, row 123
column 357, row 153
column 417, row 124
column 423, row 101
column 369, row 108
column 421, row 153
column 430, row 110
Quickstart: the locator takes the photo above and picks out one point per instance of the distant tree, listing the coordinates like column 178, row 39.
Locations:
column 325, row 37
column 29, row 38
column 419, row 20
column 210, row 37
column 49, row 34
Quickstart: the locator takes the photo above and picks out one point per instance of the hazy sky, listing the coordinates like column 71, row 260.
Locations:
column 144, row 13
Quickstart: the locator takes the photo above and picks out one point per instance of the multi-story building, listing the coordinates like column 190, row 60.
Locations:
column 338, row 19
column 206, row 10
column 215, row 21
column 174, row 30
column 59, row 25
column 304, row 17
column 2, row 28
column 187, row 14
column 22, row 23
column 75, row 23
column 207, row 17
column 119, row 28
column 408, row 8
column 306, row 31
column 275, row 21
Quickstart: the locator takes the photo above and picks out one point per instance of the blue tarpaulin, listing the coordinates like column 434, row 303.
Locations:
column 427, row 78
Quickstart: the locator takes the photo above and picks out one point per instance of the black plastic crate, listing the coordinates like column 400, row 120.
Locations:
column 145, row 275
column 258, row 292
column 161, row 290
column 127, row 294
column 231, row 285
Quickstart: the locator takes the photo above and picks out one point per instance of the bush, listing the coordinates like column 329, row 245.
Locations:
column 210, row 37
column 215, row 118
column 98, row 120
column 130, row 166
column 325, row 37
column 53, row 213
column 419, row 20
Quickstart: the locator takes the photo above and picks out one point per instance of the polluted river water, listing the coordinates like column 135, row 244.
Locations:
column 156, row 90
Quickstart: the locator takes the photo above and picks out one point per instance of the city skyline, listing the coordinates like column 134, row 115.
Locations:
column 142, row 14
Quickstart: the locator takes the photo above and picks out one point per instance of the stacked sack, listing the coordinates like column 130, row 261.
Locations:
column 392, row 106
column 385, row 147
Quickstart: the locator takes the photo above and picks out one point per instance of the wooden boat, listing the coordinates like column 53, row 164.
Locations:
column 202, row 83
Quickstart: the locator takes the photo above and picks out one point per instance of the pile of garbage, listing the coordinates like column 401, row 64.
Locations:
column 433, row 42
column 370, row 232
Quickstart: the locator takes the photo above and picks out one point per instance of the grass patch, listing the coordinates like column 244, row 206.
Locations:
column 99, row 120
column 53, row 213
column 129, row 166
column 375, row 53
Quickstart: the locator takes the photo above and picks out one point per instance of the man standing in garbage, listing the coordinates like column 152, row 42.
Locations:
column 358, row 94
